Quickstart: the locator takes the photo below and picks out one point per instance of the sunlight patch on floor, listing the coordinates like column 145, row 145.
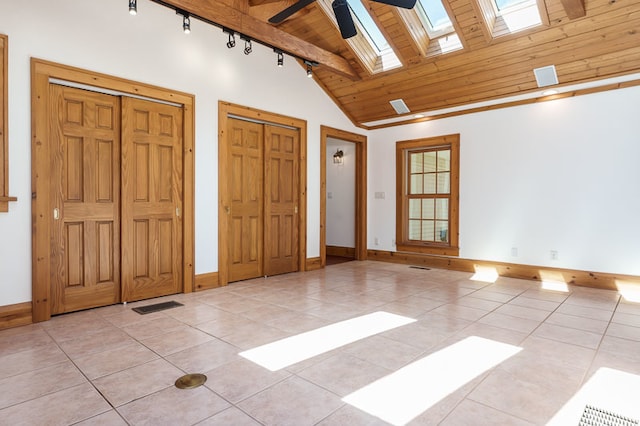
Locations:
column 608, row 389
column 553, row 281
column 630, row 291
column 402, row 396
column 283, row 353
column 485, row 274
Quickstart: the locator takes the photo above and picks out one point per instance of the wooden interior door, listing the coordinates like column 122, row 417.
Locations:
column 151, row 199
column 245, row 190
column 85, row 195
column 281, row 200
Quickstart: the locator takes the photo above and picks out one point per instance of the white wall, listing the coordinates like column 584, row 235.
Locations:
column 100, row 35
column 561, row 175
column 341, row 195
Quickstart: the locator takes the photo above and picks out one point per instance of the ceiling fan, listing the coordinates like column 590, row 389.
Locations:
column 341, row 10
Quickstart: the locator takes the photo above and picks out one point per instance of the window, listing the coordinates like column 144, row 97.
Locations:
column 4, row 141
column 427, row 195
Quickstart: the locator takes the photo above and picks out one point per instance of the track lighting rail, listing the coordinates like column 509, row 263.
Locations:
column 187, row 16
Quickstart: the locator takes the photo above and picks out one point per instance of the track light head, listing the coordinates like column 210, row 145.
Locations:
column 232, row 41
column 133, row 7
column 247, row 46
column 280, row 57
column 310, row 65
column 186, row 23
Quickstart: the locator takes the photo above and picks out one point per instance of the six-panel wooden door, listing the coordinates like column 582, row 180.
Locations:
column 115, row 187
column 151, row 199
column 246, row 156
column 263, row 192
column 85, row 193
column 281, row 201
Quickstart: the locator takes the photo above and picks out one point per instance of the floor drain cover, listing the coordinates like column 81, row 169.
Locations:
column 599, row 417
column 142, row 310
column 190, row 381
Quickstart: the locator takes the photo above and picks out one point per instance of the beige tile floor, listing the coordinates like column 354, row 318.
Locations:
column 112, row 366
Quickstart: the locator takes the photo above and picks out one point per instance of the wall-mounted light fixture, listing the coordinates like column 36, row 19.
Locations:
column 133, row 7
column 338, row 157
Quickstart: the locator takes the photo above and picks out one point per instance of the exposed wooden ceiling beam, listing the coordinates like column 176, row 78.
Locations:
column 574, row 8
column 261, row 2
column 226, row 16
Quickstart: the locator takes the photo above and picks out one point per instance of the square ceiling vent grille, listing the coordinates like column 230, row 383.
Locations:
column 399, row 106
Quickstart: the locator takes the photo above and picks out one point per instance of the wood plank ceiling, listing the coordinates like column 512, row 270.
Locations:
column 586, row 40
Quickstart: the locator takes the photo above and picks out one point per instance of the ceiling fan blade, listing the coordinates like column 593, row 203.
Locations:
column 344, row 18
column 279, row 17
column 405, row 4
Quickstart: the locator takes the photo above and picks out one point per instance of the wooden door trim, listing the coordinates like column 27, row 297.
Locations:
column 41, row 74
column 361, row 190
column 225, row 110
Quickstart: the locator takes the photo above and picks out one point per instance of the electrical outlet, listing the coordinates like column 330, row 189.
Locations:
column 380, row 195
column 514, row 251
column 376, row 241
column 330, row 195
column 553, row 254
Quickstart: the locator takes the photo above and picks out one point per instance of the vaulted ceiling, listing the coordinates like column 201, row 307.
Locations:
column 585, row 40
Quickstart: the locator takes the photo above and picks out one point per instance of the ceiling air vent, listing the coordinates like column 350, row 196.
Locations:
column 546, row 76
column 399, row 106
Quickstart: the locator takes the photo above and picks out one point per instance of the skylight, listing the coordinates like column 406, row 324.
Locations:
column 515, row 15
column 434, row 15
column 369, row 44
column 431, row 28
column 505, row 4
column 366, row 22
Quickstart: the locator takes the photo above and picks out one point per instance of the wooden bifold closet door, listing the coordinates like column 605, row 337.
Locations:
column 116, row 179
column 263, row 192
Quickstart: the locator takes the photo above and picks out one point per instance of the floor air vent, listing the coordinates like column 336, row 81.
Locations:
column 142, row 310
column 594, row 416
column 420, row 267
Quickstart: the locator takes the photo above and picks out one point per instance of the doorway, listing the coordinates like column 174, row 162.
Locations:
column 341, row 201
column 359, row 142
column 113, row 190
column 262, row 193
